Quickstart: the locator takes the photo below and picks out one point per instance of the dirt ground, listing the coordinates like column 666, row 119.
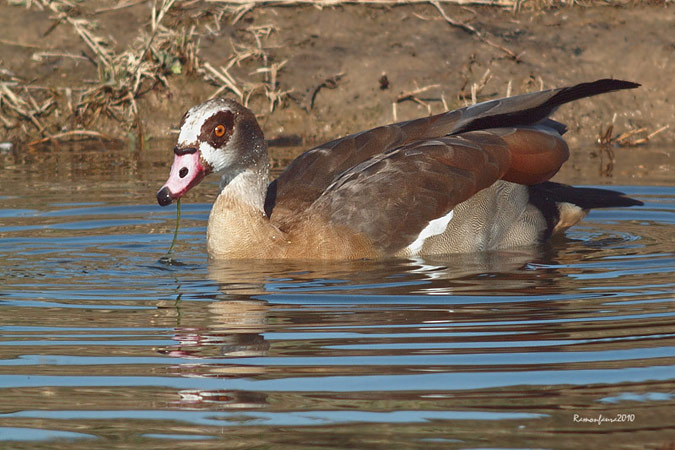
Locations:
column 336, row 70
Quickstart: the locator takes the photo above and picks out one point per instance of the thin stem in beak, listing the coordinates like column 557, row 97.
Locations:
column 175, row 232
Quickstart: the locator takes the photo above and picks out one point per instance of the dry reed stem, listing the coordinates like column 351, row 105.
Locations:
column 6, row 122
column 156, row 20
column 226, row 79
column 660, row 130
column 247, row 89
column 26, row 108
column 95, row 43
column 604, row 138
column 39, row 56
column 409, row 95
column 72, row 133
column 241, row 11
column 631, row 138
column 476, row 88
column 626, row 139
column 119, row 6
column 413, row 96
column 274, row 95
column 18, row 44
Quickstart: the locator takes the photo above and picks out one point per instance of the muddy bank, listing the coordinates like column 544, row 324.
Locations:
column 314, row 74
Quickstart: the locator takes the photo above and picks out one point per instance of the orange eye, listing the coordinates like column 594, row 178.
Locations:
column 219, row 130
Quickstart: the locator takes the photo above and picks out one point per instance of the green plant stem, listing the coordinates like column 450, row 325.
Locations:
column 175, row 232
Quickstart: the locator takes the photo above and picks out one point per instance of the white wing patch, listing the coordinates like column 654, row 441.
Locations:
column 435, row 227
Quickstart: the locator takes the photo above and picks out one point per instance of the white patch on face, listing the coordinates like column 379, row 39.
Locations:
column 433, row 228
column 218, row 159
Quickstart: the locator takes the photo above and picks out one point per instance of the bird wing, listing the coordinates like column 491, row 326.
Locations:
column 309, row 176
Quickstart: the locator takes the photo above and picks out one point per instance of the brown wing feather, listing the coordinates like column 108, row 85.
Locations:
column 392, row 197
column 536, row 154
column 306, row 178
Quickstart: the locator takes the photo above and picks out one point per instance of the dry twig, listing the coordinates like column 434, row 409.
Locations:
column 637, row 137
column 413, row 96
column 268, row 86
column 87, row 134
column 328, row 83
column 225, row 78
column 155, row 23
column 25, row 106
column 474, row 31
column 119, row 6
column 476, row 88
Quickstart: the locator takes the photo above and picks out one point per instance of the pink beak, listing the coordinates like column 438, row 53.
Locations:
column 186, row 172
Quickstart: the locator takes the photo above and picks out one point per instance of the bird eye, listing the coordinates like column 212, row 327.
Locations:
column 219, row 130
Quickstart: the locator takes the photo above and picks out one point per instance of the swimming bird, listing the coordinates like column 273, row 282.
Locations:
column 473, row 179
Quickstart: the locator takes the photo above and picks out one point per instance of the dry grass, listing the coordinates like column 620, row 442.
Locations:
column 263, row 80
column 241, row 7
column 630, row 138
column 122, row 77
column 157, row 53
column 168, row 46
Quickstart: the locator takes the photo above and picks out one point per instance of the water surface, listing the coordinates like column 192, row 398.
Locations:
column 102, row 345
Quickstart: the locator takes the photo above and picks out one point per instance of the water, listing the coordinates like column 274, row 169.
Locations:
column 102, row 345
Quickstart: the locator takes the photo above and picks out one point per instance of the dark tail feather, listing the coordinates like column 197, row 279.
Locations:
column 569, row 94
column 528, row 109
column 586, row 198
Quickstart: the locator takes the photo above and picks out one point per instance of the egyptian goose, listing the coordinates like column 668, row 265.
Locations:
column 468, row 180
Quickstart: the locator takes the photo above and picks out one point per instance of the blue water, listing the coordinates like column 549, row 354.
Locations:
column 104, row 345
